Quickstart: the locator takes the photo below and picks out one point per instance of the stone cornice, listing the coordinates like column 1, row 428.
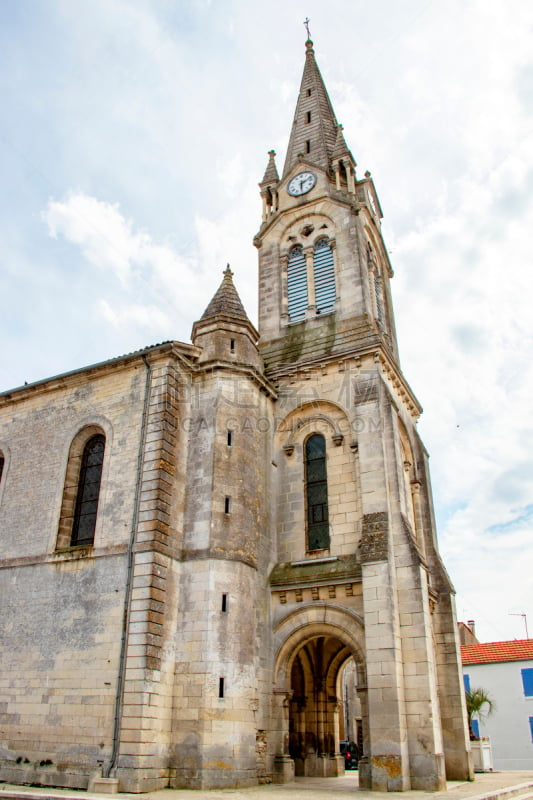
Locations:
column 381, row 355
column 224, row 321
column 68, row 379
column 243, row 369
column 82, row 553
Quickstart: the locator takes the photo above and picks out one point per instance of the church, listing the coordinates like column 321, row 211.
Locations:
column 206, row 548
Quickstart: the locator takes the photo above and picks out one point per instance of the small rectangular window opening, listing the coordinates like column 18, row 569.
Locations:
column 221, row 687
column 226, row 505
column 309, row 92
column 229, row 438
column 232, row 345
column 308, row 117
column 308, row 146
column 224, row 607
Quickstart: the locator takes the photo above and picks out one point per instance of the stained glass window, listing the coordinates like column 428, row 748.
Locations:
column 88, row 491
column 316, row 485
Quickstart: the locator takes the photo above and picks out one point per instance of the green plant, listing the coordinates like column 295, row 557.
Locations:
column 478, row 701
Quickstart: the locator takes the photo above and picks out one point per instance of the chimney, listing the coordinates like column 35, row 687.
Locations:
column 472, row 625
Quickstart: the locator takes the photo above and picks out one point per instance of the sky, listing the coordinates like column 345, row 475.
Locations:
column 133, row 134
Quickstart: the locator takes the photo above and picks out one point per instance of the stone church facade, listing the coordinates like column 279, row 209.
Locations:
column 197, row 539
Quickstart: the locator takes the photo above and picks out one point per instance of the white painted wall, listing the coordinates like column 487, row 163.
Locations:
column 508, row 726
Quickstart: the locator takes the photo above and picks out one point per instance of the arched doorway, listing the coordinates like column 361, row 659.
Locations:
column 316, row 712
column 310, row 665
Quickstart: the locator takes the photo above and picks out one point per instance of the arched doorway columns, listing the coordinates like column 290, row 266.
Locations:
column 312, row 646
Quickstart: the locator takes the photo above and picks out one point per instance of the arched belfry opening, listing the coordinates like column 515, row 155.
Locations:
column 320, row 708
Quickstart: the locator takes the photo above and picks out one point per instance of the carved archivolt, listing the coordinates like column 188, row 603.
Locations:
column 320, row 417
column 322, row 619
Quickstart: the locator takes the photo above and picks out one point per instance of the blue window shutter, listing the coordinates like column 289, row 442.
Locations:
column 324, row 272
column 527, row 680
column 466, row 681
column 531, row 726
column 297, row 284
column 475, row 728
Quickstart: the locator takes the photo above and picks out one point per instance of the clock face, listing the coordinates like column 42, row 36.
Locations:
column 301, row 183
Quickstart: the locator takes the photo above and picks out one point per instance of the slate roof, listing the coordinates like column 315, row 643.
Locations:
column 493, row 652
column 226, row 300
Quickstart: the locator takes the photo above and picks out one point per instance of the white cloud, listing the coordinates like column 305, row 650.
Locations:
column 132, row 315
column 99, row 229
column 464, row 313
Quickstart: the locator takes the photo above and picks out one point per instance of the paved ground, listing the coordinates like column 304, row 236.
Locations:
column 490, row 786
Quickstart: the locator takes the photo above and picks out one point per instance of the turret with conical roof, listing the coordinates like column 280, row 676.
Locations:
column 224, row 331
column 226, row 300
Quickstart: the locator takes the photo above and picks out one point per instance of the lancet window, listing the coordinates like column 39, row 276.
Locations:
column 316, row 488
column 88, row 491
column 77, row 523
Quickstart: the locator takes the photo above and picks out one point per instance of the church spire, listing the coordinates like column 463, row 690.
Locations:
column 314, row 130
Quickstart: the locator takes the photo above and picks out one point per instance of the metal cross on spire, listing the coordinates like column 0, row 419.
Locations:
column 306, row 23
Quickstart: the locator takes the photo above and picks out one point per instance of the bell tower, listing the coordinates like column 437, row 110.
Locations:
column 324, row 271
column 358, row 577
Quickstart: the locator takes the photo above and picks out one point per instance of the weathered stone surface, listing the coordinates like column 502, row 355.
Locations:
column 375, row 540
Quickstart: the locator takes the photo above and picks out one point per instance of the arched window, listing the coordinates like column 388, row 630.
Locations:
column 2, row 461
column 379, row 298
column 324, row 272
column 297, row 299
column 316, row 488
column 88, row 491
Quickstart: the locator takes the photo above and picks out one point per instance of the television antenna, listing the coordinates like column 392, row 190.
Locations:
column 524, row 617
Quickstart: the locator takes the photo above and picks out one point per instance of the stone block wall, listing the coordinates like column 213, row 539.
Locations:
column 62, row 610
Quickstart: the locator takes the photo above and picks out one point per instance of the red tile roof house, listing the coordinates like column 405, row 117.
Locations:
column 505, row 671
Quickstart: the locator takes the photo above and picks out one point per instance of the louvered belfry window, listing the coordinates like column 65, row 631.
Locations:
column 297, row 284
column 379, row 299
column 316, row 486
column 324, row 271
column 88, row 491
